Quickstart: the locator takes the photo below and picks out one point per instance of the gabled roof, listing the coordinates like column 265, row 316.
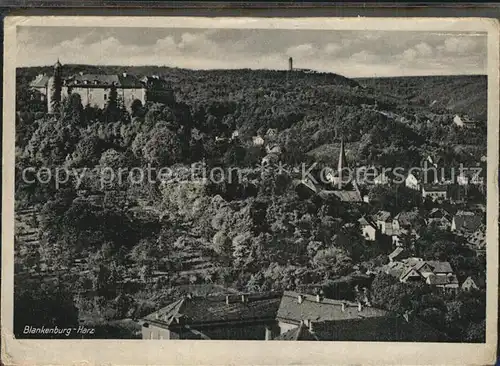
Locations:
column 382, row 216
column 347, row 196
column 300, row 333
column 407, row 218
column 364, row 221
column 467, row 221
column 396, row 253
column 479, row 281
column 40, row 81
column 390, row 327
column 438, row 212
column 478, row 238
column 214, row 309
column 326, row 310
column 440, row 267
column 442, row 279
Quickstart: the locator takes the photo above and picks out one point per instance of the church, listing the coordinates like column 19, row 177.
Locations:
column 94, row 89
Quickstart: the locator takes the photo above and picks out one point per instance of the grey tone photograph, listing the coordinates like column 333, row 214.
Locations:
column 250, row 184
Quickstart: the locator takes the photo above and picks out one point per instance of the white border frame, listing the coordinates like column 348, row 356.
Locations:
column 44, row 352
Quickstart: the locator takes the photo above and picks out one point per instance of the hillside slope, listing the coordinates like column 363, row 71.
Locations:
column 464, row 94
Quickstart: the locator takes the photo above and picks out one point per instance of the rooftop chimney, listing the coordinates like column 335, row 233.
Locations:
column 318, row 298
column 343, row 306
column 227, row 299
column 157, row 316
column 290, row 64
column 300, row 299
column 360, row 306
column 124, row 74
column 244, row 298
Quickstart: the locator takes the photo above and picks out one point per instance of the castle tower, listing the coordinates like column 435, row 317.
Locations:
column 290, row 64
column 54, row 88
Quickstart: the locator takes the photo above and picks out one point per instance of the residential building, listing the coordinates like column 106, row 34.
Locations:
column 258, row 140
column 384, row 222
column 237, row 317
column 435, row 192
column 474, row 283
column 412, row 181
column 470, row 176
column 465, row 222
column 342, row 196
column 381, row 179
column 270, row 159
column 313, row 318
column 273, row 149
column 440, row 218
column 434, row 273
column 464, row 121
column 405, row 221
column 368, row 228
column 477, row 240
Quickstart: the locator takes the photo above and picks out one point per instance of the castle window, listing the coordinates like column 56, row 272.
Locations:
column 105, row 96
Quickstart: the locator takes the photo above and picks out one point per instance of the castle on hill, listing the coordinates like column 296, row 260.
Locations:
column 95, row 89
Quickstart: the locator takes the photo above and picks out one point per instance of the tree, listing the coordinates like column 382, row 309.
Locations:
column 41, row 305
column 163, row 148
column 334, row 261
column 137, row 108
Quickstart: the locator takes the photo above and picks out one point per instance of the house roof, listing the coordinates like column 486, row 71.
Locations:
column 214, row 309
column 326, row 310
column 402, row 269
column 442, row 279
column 305, row 183
column 438, row 212
column 390, row 327
column 407, row 218
column 396, row 252
column 466, row 221
column 479, row 281
column 40, row 81
column 478, row 238
column 440, row 267
column 344, row 196
column 434, row 188
column 364, row 221
column 382, row 216
column 300, row 333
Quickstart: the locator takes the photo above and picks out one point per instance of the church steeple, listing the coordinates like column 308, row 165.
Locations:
column 342, row 163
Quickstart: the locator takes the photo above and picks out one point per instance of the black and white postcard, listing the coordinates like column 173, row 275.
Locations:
column 174, row 184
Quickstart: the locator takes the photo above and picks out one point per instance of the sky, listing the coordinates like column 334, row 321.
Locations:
column 350, row 53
